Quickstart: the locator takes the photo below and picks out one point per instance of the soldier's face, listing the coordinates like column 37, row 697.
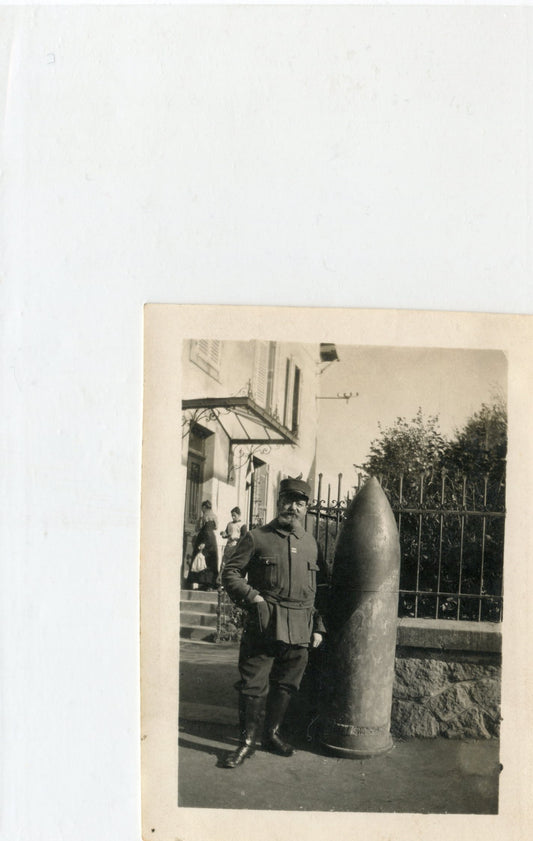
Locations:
column 291, row 510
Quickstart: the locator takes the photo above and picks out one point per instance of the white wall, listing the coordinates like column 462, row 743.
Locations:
column 315, row 157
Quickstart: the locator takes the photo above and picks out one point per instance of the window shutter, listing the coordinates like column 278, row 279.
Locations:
column 214, row 353
column 206, row 353
column 260, row 375
column 296, row 392
column 203, row 349
column 287, row 395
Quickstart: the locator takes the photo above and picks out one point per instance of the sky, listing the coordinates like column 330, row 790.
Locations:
column 393, row 382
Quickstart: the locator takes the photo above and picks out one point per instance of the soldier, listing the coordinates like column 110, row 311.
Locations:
column 281, row 561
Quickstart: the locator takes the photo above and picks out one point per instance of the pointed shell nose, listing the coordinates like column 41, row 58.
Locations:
column 367, row 554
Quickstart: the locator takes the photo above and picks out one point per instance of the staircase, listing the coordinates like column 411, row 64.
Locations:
column 198, row 614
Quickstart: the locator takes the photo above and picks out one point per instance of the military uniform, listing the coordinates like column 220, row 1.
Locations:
column 280, row 563
column 283, row 567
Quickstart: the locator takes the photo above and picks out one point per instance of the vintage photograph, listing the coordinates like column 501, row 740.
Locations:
column 342, row 570
column 338, row 564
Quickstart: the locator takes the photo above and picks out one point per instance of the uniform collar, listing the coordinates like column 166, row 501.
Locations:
column 298, row 530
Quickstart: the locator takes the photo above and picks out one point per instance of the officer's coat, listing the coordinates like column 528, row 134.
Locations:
column 282, row 567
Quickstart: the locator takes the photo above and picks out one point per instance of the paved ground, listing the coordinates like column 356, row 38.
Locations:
column 419, row 775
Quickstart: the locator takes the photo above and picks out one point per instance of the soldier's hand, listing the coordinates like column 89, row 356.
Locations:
column 316, row 640
column 257, row 599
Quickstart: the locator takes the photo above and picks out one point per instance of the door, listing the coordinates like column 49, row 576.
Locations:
column 195, row 477
column 258, row 495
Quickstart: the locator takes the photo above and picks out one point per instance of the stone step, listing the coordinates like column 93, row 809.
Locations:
column 198, row 606
column 199, row 596
column 204, row 619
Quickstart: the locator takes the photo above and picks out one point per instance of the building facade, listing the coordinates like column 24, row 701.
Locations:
column 249, row 420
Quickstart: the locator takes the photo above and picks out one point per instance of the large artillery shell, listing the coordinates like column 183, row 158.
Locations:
column 362, row 620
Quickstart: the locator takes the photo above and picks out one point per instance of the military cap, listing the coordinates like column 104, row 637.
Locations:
column 294, row 486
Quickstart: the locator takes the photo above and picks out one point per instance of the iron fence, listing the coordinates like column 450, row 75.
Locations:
column 451, row 531
column 230, row 618
column 327, row 515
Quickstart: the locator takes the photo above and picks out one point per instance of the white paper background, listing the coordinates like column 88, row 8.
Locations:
column 330, row 157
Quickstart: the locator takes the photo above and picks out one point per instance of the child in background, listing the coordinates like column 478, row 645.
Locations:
column 232, row 533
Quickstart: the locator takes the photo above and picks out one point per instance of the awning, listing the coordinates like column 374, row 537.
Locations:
column 243, row 420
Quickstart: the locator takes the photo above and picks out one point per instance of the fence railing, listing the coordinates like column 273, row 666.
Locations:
column 451, row 531
column 326, row 515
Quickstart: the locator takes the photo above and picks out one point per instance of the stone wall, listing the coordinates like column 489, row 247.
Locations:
column 446, row 681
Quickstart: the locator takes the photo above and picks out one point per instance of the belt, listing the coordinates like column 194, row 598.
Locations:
column 287, row 603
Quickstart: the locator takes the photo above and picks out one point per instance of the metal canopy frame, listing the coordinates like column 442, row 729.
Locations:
column 245, row 409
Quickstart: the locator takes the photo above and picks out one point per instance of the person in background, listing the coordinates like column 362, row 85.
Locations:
column 206, row 514
column 273, row 573
column 206, row 542
column 234, row 530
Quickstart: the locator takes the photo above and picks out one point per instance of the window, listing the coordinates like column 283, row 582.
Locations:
column 260, row 374
column 264, row 374
column 271, row 376
column 291, row 402
column 287, row 392
column 296, row 398
column 206, row 353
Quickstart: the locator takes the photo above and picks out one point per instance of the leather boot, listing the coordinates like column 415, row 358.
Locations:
column 277, row 703
column 250, row 717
